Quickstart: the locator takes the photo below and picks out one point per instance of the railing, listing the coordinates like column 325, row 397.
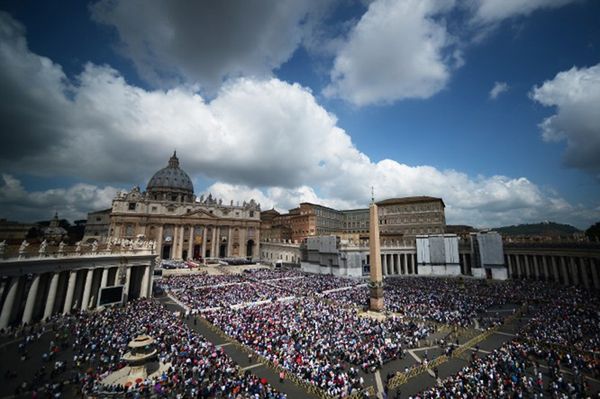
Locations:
column 27, row 251
column 402, row 378
column 310, row 388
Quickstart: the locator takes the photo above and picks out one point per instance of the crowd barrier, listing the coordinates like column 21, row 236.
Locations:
column 311, row 388
column 402, row 378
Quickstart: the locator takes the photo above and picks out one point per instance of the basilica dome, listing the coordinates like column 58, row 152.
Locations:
column 171, row 183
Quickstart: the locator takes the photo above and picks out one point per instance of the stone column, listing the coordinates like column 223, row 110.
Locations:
column 229, row 243
column 546, row 268
column 70, row 291
column 87, row 289
column 3, row 285
column 536, row 267
column 584, row 273
column 385, row 265
column 519, row 267
column 115, row 277
column 509, row 266
column 527, row 266
column 565, row 272
column 204, row 232
column 257, row 243
column 104, row 279
column 574, row 271
column 145, row 281
column 181, row 241
column 376, row 283
column 213, row 251
column 594, row 267
column 51, row 296
column 159, row 242
column 191, row 243
column 554, row 269
column 127, row 283
column 404, row 264
column 415, row 265
column 174, row 242
column 396, row 264
column 31, row 296
column 7, row 308
column 218, row 242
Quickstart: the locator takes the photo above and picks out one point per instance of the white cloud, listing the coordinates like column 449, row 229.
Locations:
column 397, row 50
column 499, row 88
column 492, row 11
column 206, row 42
column 16, row 203
column 576, row 96
column 265, row 139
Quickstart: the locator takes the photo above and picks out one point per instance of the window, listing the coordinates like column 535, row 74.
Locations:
column 98, row 219
column 251, row 214
column 154, row 209
column 132, row 206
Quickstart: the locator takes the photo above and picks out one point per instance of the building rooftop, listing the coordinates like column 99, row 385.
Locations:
column 410, row 200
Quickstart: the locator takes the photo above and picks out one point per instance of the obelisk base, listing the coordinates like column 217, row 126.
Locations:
column 376, row 297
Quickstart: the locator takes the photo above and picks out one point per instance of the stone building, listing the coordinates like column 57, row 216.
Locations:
column 13, row 232
column 186, row 227
column 39, row 282
column 411, row 216
column 399, row 218
column 54, row 233
column 97, row 226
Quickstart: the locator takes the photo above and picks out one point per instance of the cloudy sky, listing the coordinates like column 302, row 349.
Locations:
column 492, row 105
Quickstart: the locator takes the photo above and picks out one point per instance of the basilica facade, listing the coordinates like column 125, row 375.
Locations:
column 182, row 225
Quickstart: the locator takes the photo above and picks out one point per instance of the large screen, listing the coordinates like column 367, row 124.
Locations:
column 110, row 295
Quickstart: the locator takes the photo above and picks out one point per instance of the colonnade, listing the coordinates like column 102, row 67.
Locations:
column 581, row 271
column 236, row 238
column 404, row 263
column 26, row 298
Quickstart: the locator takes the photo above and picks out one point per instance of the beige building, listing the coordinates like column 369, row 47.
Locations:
column 411, row 216
column 399, row 218
column 97, row 226
column 183, row 226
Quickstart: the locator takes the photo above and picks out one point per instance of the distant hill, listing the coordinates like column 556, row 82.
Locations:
column 549, row 229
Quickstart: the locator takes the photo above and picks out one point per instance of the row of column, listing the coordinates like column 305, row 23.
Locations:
column 399, row 264
column 34, row 300
column 181, row 232
column 566, row 270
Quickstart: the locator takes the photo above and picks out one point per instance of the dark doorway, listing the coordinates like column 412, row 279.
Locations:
column 488, row 273
column 197, row 253
column 166, row 252
column 250, row 248
column 184, row 254
column 223, row 251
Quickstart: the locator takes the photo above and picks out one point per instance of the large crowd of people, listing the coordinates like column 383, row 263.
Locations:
column 316, row 334
column 195, row 281
column 514, row 371
column 433, row 299
column 229, row 295
column 196, row 367
column 316, row 340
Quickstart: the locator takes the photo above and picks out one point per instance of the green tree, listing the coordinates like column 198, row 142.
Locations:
column 593, row 232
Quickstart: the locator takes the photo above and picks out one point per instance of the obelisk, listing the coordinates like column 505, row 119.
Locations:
column 376, row 283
